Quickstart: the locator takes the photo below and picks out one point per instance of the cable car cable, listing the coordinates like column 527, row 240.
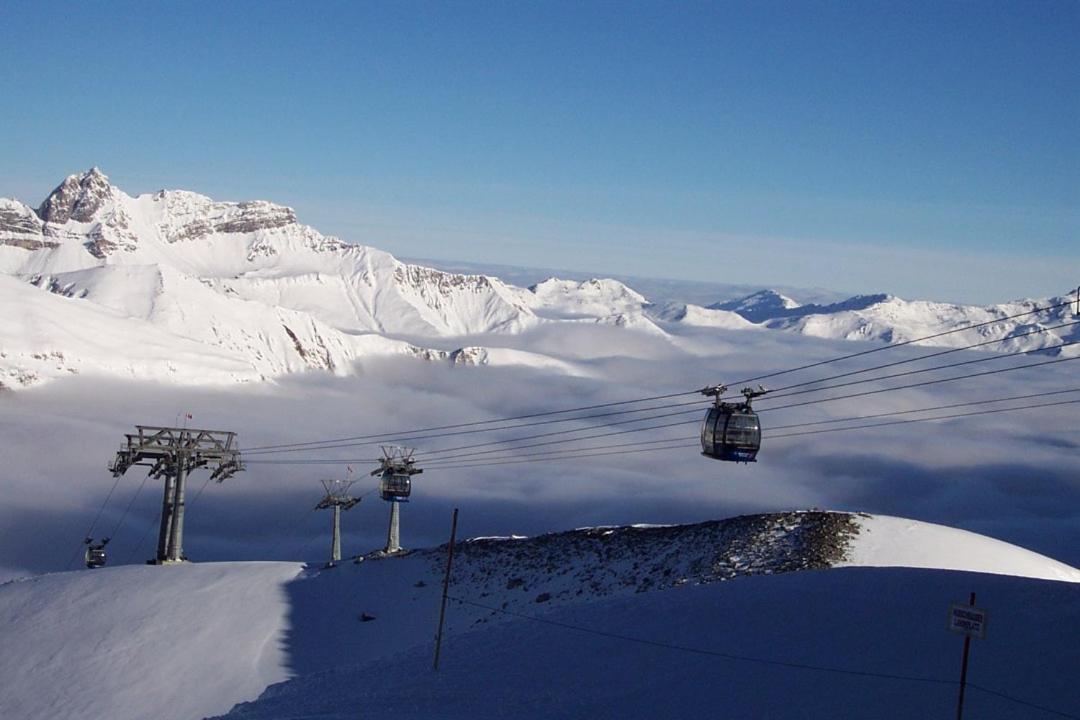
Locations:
column 585, row 455
column 923, row 357
column 392, row 435
column 909, row 412
column 918, row 384
column 334, row 444
column 919, row 371
column 93, row 524
column 940, row 417
column 435, row 454
column 131, row 502
column 434, row 459
column 436, row 463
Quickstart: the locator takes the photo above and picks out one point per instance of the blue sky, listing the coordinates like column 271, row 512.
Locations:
column 927, row 149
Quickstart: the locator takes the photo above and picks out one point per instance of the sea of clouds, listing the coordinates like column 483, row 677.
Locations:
column 1010, row 475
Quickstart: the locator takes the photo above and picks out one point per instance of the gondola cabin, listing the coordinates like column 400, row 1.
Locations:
column 95, row 553
column 731, row 431
column 395, row 473
column 395, row 486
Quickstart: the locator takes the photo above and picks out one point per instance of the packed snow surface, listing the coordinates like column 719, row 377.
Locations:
column 885, row 541
column 794, row 646
column 142, row 642
column 191, row 640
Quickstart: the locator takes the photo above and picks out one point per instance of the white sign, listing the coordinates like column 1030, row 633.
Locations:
column 968, row 620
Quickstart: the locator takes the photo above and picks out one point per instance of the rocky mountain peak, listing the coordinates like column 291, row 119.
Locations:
column 78, row 198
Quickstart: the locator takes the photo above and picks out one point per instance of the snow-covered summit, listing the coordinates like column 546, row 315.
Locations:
column 758, row 306
column 78, row 198
column 587, row 298
column 886, row 318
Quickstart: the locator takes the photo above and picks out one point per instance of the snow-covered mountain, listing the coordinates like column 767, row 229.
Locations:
column 891, row 319
column 252, row 251
column 188, row 641
column 159, row 280
column 760, row 306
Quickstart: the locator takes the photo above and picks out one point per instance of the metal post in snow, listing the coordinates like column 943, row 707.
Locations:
column 335, row 543
column 176, row 537
column 963, row 669
column 393, row 535
column 165, row 530
column 445, row 587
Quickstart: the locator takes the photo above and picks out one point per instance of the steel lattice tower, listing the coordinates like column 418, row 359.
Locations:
column 172, row 453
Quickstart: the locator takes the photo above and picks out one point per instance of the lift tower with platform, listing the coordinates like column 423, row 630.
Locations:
column 172, row 453
column 337, row 498
column 395, row 472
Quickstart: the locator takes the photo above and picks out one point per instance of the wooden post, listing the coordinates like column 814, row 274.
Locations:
column 445, row 587
column 963, row 669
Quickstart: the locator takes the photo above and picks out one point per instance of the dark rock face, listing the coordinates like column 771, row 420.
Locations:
column 257, row 216
column 19, row 219
column 22, row 227
column 77, row 198
column 603, row 561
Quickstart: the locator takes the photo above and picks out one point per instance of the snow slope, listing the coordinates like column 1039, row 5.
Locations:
column 191, row 640
column 863, row 622
column 52, row 336
column 897, row 542
column 142, row 642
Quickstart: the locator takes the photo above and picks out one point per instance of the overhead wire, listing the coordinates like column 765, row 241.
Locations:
column 437, row 463
column 939, row 417
column 924, row 383
column 440, row 454
column 335, row 444
column 93, row 524
column 928, row 356
column 332, row 444
column 393, row 435
column 434, row 455
column 907, row 373
column 127, row 509
column 890, row 346
column 642, row 447
column 390, row 436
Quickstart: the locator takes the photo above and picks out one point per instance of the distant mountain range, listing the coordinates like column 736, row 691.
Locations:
column 175, row 286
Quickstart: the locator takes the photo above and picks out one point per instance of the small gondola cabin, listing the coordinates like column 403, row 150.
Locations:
column 731, row 431
column 395, row 486
column 95, row 553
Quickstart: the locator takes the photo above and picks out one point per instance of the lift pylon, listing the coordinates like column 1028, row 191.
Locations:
column 337, row 498
column 172, row 453
column 395, row 472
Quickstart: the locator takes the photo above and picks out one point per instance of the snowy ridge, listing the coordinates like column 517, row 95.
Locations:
column 886, row 318
column 243, row 626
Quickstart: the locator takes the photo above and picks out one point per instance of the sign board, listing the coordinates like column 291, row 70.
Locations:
column 967, row 620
